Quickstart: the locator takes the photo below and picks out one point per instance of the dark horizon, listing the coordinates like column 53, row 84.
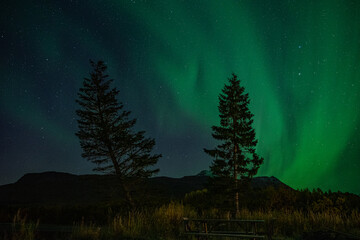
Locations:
column 297, row 60
column 197, row 174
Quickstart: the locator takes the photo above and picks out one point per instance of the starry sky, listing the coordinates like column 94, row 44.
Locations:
column 298, row 60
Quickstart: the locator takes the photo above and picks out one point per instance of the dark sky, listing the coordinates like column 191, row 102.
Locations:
column 298, row 60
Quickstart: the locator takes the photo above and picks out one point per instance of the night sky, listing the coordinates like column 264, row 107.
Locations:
column 298, row 60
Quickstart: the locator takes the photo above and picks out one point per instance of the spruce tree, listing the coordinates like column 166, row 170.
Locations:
column 106, row 132
column 235, row 160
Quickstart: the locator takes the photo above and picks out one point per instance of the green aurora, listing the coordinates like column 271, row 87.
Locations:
column 299, row 63
column 298, row 60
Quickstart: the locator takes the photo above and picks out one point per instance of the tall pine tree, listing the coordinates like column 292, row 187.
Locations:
column 235, row 160
column 106, row 132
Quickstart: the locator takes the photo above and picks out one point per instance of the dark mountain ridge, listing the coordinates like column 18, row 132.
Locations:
column 64, row 188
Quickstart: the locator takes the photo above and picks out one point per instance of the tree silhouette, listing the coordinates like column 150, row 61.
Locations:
column 235, row 158
column 106, row 133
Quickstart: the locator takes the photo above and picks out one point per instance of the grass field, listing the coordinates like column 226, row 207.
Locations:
column 165, row 222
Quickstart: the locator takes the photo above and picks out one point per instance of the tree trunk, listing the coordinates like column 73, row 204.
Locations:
column 236, row 197
column 128, row 197
column 236, row 201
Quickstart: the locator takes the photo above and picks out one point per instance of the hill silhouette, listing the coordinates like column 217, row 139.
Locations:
column 52, row 188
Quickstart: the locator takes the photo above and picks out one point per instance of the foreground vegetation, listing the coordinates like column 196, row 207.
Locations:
column 293, row 214
column 165, row 222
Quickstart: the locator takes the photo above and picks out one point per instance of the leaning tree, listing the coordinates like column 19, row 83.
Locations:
column 235, row 160
column 106, row 132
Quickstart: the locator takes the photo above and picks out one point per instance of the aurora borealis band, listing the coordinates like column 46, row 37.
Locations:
column 298, row 60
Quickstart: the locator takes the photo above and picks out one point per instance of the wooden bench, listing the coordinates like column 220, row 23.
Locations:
column 223, row 228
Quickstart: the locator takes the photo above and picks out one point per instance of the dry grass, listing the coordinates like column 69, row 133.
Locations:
column 86, row 231
column 165, row 222
column 162, row 223
column 293, row 223
column 22, row 229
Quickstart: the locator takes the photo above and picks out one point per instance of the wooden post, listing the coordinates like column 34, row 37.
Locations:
column 186, row 225
column 205, row 229
column 254, row 229
column 270, row 228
